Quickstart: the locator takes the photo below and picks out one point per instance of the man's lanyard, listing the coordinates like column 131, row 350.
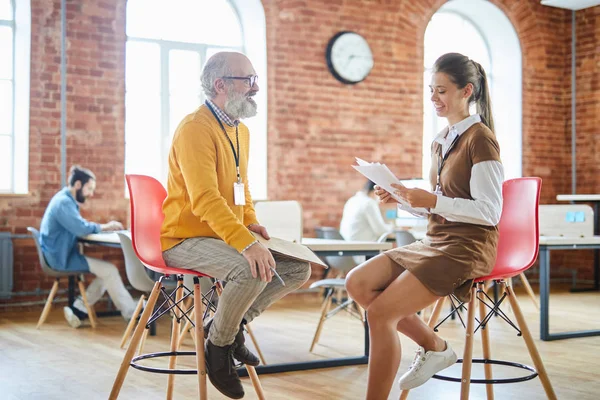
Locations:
column 442, row 160
column 236, row 156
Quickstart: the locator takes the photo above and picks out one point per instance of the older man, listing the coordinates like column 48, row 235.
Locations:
column 209, row 216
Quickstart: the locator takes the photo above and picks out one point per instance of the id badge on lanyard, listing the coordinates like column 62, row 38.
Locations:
column 239, row 194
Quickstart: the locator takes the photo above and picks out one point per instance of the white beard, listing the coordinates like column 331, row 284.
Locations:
column 239, row 106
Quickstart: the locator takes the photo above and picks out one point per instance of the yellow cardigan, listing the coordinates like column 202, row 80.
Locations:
column 200, row 184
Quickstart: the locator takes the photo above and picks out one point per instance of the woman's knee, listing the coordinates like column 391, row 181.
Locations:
column 356, row 286
column 381, row 316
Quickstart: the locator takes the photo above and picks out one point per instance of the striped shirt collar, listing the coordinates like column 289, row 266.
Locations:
column 222, row 116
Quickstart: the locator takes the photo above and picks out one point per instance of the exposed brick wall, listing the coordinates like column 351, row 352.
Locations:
column 316, row 125
column 95, row 122
column 588, row 100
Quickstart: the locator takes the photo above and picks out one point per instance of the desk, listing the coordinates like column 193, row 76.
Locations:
column 547, row 244
column 322, row 248
column 107, row 239
column 595, row 200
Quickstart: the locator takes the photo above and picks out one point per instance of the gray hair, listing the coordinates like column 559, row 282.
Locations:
column 216, row 67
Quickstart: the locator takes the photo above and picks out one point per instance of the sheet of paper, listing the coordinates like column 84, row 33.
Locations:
column 290, row 249
column 382, row 176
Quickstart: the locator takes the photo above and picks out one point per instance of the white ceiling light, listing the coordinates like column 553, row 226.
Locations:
column 571, row 4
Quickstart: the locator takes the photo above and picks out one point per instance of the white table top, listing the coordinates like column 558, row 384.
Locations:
column 316, row 244
column 565, row 240
column 312, row 243
column 578, row 197
column 104, row 237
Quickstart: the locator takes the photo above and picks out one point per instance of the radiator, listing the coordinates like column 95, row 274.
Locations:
column 6, row 265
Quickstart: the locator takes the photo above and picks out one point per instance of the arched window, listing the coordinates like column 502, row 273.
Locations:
column 458, row 27
column 167, row 46
column 15, row 35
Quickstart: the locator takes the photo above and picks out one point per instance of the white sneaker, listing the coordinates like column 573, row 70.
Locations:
column 425, row 365
column 71, row 318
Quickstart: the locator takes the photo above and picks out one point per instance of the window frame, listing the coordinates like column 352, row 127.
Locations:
column 20, row 25
column 165, row 46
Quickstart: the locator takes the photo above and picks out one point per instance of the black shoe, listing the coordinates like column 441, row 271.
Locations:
column 241, row 353
column 221, row 372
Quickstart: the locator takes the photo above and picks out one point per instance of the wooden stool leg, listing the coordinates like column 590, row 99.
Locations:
column 324, row 309
column 485, row 343
column 88, row 307
column 143, row 341
column 132, row 321
column 468, row 353
column 529, row 290
column 186, row 328
column 174, row 338
column 48, row 304
column 199, row 342
column 255, row 382
column 256, row 346
column 435, row 315
column 533, row 352
column 135, row 339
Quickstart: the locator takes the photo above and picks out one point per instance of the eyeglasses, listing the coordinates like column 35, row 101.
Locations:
column 251, row 79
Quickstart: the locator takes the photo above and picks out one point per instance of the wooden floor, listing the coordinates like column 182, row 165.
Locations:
column 58, row 362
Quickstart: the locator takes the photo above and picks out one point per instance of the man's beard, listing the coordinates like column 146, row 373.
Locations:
column 239, row 106
column 79, row 196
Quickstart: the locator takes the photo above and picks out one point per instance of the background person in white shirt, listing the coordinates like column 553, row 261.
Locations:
column 362, row 219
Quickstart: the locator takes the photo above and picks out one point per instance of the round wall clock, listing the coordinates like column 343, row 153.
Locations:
column 349, row 57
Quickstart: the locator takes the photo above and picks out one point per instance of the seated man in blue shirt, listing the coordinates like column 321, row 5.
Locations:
column 61, row 225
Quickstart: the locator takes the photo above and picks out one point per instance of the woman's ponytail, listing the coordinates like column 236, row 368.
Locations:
column 482, row 98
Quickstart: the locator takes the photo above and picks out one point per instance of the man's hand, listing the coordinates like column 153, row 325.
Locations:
column 261, row 230
column 261, row 259
column 112, row 226
column 416, row 197
column 384, row 195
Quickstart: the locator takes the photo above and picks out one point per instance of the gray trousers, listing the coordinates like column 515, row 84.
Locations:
column 244, row 296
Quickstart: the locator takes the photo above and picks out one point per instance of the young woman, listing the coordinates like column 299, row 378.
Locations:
column 462, row 235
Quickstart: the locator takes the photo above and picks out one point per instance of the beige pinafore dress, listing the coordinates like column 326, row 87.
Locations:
column 454, row 253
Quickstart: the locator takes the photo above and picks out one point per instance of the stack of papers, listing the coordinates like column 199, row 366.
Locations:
column 383, row 177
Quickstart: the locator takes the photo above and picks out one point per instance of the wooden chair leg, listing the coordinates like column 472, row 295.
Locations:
column 533, row 352
column 174, row 338
column 529, row 289
column 135, row 339
column 88, row 307
column 485, row 343
column 468, row 353
column 132, row 321
column 143, row 341
column 255, row 382
column 324, row 309
column 433, row 318
column 256, row 346
column 48, row 305
column 199, row 341
column 186, row 328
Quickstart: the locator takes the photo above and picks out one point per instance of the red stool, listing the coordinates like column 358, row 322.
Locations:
column 146, row 198
column 517, row 251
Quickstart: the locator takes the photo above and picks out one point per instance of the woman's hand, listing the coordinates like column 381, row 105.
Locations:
column 415, row 197
column 384, row 195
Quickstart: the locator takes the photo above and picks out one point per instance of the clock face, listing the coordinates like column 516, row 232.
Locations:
column 349, row 57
